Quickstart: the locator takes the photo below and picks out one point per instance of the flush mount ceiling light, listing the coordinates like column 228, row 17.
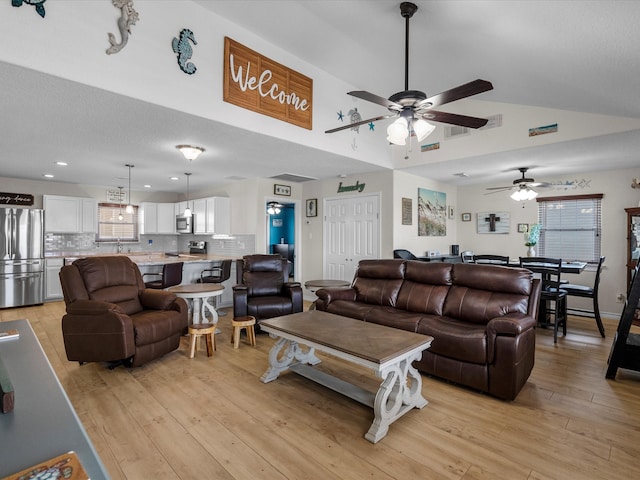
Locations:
column 187, row 211
column 129, row 208
column 190, row 152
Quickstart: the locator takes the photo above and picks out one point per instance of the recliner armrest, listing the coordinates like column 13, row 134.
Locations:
column 92, row 307
column 155, row 299
column 510, row 325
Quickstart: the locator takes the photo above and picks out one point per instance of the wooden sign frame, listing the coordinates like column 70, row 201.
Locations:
column 257, row 83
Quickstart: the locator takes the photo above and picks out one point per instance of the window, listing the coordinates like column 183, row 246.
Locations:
column 111, row 229
column 571, row 227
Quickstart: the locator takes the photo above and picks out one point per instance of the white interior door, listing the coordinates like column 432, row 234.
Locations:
column 351, row 234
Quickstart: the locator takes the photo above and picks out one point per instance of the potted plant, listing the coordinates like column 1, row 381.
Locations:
column 531, row 239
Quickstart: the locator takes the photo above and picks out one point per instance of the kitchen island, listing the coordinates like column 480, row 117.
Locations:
column 152, row 262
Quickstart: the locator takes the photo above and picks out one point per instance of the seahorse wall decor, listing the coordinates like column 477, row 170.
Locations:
column 183, row 48
column 127, row 18
column 39, row 4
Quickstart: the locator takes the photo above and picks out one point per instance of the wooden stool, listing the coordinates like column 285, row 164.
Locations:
column 238, row 324
column 202, row 329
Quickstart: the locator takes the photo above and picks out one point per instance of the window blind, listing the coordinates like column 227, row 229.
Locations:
column 111, row 229
column 570, row 227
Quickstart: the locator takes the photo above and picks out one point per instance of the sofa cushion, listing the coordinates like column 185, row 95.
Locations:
column 482, row 292
column 150, row 326
column 378, row 281
column 394, row 317
column 455, row 339
column 425, row 287
column 348, row 308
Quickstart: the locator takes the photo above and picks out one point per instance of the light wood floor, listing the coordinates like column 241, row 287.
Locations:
column 212, row 418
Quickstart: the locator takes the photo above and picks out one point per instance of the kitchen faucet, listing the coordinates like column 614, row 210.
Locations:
column 119, row 246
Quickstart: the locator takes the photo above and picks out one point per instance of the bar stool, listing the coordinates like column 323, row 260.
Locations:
column 238, row 324
column 206, row 330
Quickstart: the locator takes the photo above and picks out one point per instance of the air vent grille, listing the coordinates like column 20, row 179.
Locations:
column 290, row 177
column 454, row 131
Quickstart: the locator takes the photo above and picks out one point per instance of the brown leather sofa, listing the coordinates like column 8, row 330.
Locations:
column 112, row 317
column 482, row 317
column 263, row 289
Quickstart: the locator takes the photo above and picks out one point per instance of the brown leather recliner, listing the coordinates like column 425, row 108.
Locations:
column 112, row 317
column 263, row 289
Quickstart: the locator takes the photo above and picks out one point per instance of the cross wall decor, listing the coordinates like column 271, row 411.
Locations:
column 493, row 222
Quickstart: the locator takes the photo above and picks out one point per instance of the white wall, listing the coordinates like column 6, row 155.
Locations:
column 618, row 194
column 406, row 236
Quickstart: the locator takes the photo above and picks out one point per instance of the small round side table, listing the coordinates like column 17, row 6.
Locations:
column 206, row 330
column 238, row 324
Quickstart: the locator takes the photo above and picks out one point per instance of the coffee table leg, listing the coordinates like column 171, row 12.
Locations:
column 395, row 396
column 283, row 354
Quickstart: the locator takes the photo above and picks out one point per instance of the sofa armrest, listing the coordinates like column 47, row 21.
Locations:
column 329, row 295
column 154, row 299
column 510, row 325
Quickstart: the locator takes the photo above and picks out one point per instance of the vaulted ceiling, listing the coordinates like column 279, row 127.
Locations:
column 576, row 57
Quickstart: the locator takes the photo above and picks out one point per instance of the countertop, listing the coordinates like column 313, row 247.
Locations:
column 144, row 258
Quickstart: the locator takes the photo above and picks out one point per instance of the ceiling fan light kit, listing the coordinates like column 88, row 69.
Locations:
column 413, row 107
column 524, row 193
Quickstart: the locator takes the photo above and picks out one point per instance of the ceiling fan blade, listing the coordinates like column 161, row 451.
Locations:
column 457, row 93
column 454, row 119
column 370, row 97
column 499, row 188
column 362, row 122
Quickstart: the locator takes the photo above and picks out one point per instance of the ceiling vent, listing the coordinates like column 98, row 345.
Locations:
column 454, row 131
column 290, row 177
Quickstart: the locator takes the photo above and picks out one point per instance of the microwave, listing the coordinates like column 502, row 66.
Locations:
column 184, row 224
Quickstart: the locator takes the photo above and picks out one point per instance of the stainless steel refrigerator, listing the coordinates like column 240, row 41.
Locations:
column 21, row 257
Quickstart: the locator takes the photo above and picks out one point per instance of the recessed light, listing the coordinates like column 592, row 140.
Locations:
column 62, row 164
column 48, row 175
column 147, row 186
column 174, row 178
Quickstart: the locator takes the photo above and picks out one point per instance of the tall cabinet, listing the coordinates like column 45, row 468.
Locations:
column 633, row 240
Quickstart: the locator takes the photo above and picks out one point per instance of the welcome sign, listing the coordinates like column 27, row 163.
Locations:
column 257, row 83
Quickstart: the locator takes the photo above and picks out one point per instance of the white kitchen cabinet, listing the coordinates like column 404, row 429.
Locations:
column 158, row 218
column 53, row 289
column 218, row 212
column 69, row 214
column 200, row 213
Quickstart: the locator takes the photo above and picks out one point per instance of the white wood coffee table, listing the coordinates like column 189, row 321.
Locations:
column 388, row 351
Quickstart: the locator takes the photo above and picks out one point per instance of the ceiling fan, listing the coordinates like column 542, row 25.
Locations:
column 522, row 186
column 413, row 107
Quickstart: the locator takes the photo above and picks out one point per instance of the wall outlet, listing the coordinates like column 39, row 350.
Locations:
column 620, row 298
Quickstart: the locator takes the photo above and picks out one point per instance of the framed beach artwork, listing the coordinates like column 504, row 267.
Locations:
column 432, row 213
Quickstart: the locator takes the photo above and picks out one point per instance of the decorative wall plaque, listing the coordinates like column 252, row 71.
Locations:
column 407, row 211
column 16, row 199
column 257, row 83
column 128, row 17
column 496, row 222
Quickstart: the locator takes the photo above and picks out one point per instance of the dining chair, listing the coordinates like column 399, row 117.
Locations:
column 467, row 256
column 218, row 273
column 171, row 275
column 404, row 254
column 550, row 271
column 491, row 259
column 584, row 291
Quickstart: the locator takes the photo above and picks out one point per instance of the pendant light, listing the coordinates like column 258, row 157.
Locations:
column 190, row 152
column 187, row 211
column 120, row 216
column 129, row 208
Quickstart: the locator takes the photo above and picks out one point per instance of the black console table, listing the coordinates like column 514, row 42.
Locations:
column 43, row 423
